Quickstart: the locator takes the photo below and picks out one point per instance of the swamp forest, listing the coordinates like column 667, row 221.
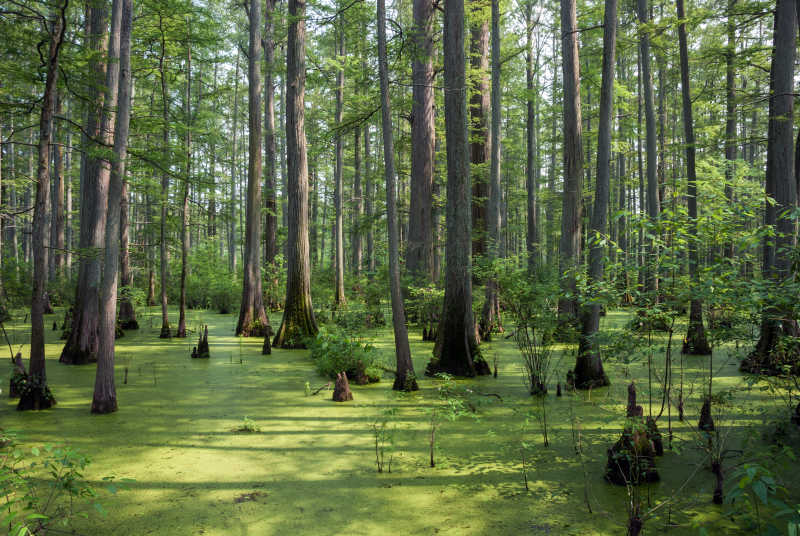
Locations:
column 436, row 267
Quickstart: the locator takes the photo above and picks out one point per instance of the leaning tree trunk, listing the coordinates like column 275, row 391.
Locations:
column 572, row 210
column 405, row 379
column 105, row 394
column 37, row 395
column 298, row 313
column 419, row 250
column 252, row 318
column 81, row 345
column 651, row 250
column 456, row 350
column 589, row 365
column 490, row 315
column 338, row 269
column 771, row 354
column 695, row 342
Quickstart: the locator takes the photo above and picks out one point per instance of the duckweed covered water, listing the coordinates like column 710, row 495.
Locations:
column 311, row 467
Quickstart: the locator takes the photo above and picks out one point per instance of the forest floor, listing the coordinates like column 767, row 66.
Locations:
column 311, row 467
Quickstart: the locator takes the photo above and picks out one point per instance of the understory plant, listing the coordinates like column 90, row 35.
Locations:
column 43, row 488
column 334, row 351
column 383, row 430
column 454, row 402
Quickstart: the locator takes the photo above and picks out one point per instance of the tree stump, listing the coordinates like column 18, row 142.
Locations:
column 706, row 423
column 631, row 460
column 194, row 352
column 341, row 391
column 203, row 351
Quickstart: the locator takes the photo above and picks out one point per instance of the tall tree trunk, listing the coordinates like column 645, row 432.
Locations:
column 695, row 342
column 405, row 379
column 181, row 331
column 355, row 237
column 57, row 233
column 532, row 165
column 479, row 122
column 166, row 332
column 572, row 209
column 252, row 318
column 589, row 365
column 419, row 250
column 232, row 210
column 456, row 350
column 298, row 313
column 490, row 315
column 105, row 395
column 339, row 299
column 127, row 314
column 368, row 204
column 81, row 345
column 38, row 395
column 730, row 114
column 271, row 219
column 777, row 322
column 653, row 209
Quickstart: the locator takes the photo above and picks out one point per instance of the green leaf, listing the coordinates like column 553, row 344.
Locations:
column 760, row 489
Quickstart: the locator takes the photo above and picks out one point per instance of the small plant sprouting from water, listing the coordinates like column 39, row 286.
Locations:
column 248, row 426
column 383, row 430
column 453, row 404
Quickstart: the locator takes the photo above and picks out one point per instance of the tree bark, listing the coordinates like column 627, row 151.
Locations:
column 82, row 343
column 653, row 209
column 37, row 395
column 490, row 315
column 339, row 299
column 532, row 165
column 181, row 331
column 589, row 365
column 105, row 395
column 695, row 342
column 355, row 236
column 271, row 218
column 572, row 209
column 777, row 322
column 405, row 379
column 252, row 317
column 479, row 122
column 298, row 313
column 57, row 236
column 456, row 351
column 419, row 250
column 166, row 332
column 127, row 314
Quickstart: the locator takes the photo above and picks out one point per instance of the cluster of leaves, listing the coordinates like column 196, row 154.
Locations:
column 37, row 505
column 209, row 283
column 334, row 351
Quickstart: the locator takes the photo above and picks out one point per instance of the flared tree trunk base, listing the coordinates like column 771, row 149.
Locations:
column 35, row 396
column 74, row 356
column 777, row 351
column 588, row 373
column 102, row 407
column 405, row 382
column 165, row 332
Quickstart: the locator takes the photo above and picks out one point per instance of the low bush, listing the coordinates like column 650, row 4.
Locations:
column 333, row 352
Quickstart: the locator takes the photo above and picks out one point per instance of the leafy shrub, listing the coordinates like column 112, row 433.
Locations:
column 209, row 283
column 333, row 352
column 36, row 505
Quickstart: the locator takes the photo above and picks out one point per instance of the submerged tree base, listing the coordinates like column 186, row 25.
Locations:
column 102, row 407
column 75, row 356
column 131, row 323
column 777, row 351
column 34, row 395
column 165, row 332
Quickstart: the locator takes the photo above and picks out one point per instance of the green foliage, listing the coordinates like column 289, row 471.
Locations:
column 44, row 488
column 209, row 283
column 384, row 430
column 755, row 494
column 334, row 351
column 248, row 425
